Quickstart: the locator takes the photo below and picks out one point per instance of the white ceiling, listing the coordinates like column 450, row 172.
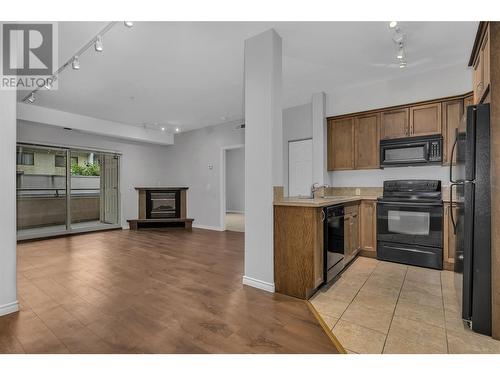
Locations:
column 190, row 74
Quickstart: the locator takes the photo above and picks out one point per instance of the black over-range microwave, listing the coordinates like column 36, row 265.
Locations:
column 424, row 150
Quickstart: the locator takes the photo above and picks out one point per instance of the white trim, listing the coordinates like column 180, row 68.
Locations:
column 234, row 212
column 259, row 284
column 9, row 308
column 223, row 182
column 208, row 227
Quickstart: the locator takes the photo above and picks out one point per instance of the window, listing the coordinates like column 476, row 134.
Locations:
column 74, row 160
column 25, row 158
column 60, row 161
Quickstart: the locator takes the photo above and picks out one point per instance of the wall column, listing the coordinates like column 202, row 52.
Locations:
column 320, row 173
column 8, row 289
column 263, row 154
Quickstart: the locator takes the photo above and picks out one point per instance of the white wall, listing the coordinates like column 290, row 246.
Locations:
column 8, row 289
column 263, row 153
column 297, row 124
column 433, row 84
column 187, row 163
column 453, row 80
column 235, row 180
column 141, row 164
column 376, row 177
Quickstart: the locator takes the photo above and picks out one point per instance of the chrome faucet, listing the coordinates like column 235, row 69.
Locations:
column 316, row 187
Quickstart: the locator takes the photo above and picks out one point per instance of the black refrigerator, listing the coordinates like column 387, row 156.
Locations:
column 470, row 190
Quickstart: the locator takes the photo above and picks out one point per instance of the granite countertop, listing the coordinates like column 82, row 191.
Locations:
column 322, row 202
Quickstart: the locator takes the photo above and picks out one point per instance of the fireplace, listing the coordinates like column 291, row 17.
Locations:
column 163, row 204
column 162, row 207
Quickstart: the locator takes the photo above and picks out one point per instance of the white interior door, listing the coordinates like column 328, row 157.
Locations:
column 110, row 189
column 300, row 173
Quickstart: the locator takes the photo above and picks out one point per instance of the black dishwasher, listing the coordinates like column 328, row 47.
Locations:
column 333, row 241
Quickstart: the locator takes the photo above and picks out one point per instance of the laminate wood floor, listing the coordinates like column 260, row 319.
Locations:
column 150, row 292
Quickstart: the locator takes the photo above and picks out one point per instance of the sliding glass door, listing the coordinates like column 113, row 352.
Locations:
column 44, row 177
column 41, row 190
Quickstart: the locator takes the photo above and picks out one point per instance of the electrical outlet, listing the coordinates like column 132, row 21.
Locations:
column 358, row 191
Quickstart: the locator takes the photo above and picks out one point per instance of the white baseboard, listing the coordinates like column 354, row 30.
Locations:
column 125, row 227
column 208, row 227
column 234, row 212
column 259, row 284
column 9, row 308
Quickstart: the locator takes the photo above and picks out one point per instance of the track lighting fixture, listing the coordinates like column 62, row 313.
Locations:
column 401, row 53
column 402, row 64
column 128, row 23
column 76, row 63
column 98, row 44
column 393, row 24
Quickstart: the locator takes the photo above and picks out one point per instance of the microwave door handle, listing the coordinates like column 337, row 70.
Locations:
column 451, row 158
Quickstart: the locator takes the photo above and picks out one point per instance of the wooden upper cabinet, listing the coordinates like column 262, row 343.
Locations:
column 425, row 119
column 481, row 67
column 452, row 115
column 468, row 100
column 366, row 141
column 394, row 123
column 341, row 144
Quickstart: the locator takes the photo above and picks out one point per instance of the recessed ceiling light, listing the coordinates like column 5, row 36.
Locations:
column 177, row 130
column 162, row 129
column 128, row 23
column 393, row 24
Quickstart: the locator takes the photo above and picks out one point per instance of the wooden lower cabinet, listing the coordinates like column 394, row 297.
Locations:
column 298, row 250
column 368, row 228
column 351, row 230
column 449, row 237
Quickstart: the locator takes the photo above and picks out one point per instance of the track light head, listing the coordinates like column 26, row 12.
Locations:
column 128, row 24
column 50, row 82
column 393, row 24
column 98, row 44
column 31, row 99
column 76, row 63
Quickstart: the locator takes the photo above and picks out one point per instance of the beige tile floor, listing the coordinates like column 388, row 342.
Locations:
column 235, row 222
column 383, row 307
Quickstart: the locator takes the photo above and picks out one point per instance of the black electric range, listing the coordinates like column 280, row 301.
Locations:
column 410, row 223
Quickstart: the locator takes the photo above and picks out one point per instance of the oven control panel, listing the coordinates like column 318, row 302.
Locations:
column 435, row 153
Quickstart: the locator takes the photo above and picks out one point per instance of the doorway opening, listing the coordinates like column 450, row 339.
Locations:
column 233, row 188
column 62, row 190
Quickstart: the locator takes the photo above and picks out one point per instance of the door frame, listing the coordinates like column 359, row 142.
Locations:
column 222, row 219
column 288, row 160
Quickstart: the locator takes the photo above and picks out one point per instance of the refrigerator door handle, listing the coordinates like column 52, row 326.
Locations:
column 451, row 207
column 451, row 157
